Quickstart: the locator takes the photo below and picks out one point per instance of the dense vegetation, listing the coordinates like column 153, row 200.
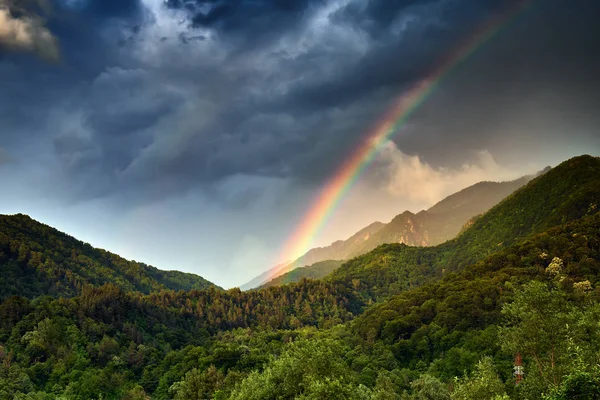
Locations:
column 397, row 323
column 36, row 259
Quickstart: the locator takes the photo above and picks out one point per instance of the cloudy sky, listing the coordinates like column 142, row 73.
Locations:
column 194, row 134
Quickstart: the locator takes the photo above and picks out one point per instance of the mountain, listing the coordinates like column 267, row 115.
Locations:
column 316, row 271
column 436, row 225
column 339, row 250
column 336, row 251
column 447, row 321
column 565, row 193
column 36, row 259
column 265, row 276
column 445, row 219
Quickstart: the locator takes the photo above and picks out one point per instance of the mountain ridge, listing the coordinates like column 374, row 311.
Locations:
column 443, row 221
column 382, row 323
column 567, row 192
column 315, row 255
column 38, row 259
column 317, row 270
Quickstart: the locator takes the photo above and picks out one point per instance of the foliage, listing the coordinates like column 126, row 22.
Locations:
column 312, row 369
column 397, row 323
column 577, row 385
column 428, row 387
column 198, row 385
column 483, row 385
column 36, row 260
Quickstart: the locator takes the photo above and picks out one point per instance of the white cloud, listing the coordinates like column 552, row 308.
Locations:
column 411, row 178
column 398, row 182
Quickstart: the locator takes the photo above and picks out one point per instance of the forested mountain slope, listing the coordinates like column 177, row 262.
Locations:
column 36, row 259
column 565, row 193
column 471, row 297
column 115, row 344
column 396, row 323
column 457, row 338
column 316, row 271
column 445, row 219
column 338, row 250
column 451, row 323
column 438, row 224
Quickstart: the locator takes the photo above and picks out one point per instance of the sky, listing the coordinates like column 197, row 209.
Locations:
column 194, row 134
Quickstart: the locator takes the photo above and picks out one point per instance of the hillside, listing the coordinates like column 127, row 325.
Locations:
column 575, row 243
column 436, row 225
column 338, row 250
column 445, row 219
column 264, row 277
column 316, row 271
column 446, row 326
column 399, row 322
column 36, row 259
column 565, row 193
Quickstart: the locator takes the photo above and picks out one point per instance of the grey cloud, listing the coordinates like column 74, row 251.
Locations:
column 32, row 92
column 161, row 118
column 531, row 89
column 113, row 8
column 238, row 14
column 251, row 25
column 408, row 39
column 261, row 141
column 102, row 135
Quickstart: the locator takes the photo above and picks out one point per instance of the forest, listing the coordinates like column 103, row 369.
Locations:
column 520, row 285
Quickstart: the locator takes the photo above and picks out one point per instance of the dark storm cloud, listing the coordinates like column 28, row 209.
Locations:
column 535, row 85
column 87, row 33
column 91, row 31
column 38, row 25
column 240, row 14
column 318, row 109
column 249, row 24
column 397, row 61
column 112, row 8
column 279, row 89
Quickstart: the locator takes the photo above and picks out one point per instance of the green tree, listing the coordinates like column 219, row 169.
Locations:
column 484, row 384
column 429, row 388
column 540, row 321
column 577, row 385
column 308, row 369
column 198, row 385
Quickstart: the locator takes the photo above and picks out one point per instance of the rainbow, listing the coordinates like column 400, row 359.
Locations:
column 346, row 176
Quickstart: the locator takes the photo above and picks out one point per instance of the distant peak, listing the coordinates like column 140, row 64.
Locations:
column 401, row 217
